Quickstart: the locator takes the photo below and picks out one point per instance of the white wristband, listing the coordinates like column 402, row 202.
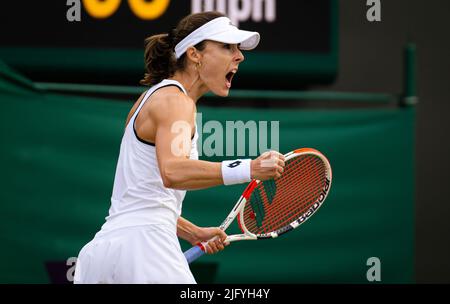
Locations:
column 236, row 171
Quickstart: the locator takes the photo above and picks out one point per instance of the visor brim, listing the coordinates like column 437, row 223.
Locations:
column 247, row 40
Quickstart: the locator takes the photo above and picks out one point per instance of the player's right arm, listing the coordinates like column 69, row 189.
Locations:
column 174, row 124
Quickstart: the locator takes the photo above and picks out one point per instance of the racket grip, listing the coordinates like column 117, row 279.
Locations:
column 193, row 253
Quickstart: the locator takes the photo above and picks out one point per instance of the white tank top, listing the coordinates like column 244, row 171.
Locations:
column 139, row 196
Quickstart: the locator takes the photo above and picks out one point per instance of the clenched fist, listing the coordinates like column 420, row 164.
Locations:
column 268, row 165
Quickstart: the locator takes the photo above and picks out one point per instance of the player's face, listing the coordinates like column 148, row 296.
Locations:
column 219, row 63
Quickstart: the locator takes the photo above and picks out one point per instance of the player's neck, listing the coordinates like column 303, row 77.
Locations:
column 192, row 83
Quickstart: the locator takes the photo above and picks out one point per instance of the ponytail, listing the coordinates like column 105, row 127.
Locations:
column 159, row 58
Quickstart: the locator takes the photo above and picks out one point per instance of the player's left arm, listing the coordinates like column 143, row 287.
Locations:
column 194, row 235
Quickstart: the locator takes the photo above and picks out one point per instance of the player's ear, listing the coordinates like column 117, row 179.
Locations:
column 194, row 55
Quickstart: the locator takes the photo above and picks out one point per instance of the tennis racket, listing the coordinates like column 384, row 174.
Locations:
column 267, row 209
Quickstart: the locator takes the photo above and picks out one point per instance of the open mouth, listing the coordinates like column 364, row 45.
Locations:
column 229, row 78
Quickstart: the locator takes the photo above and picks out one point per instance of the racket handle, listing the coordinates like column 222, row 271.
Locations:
column 193, row 253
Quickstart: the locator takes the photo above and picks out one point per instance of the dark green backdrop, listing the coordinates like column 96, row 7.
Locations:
column 58, row 156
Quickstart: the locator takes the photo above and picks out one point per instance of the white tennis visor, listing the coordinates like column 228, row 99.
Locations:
column 222, row 30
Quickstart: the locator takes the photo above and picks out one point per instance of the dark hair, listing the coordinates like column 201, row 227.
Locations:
column 159, row 54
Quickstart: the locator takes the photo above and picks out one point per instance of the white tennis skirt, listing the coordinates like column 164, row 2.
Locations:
column 133, row 255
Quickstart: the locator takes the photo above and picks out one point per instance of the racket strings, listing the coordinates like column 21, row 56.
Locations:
column 277, row 212
column 307, row 187
column 276, row 204
column 290, row 212
column 285, row 214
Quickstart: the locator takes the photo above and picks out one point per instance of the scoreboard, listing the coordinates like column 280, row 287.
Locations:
column 101, row 41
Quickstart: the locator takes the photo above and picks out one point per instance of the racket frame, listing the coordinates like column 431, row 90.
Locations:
column 238, row 209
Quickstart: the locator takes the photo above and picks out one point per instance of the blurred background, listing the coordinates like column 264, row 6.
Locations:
column 371, row 95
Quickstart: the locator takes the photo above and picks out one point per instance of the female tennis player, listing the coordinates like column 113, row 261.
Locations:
column 158, row 158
